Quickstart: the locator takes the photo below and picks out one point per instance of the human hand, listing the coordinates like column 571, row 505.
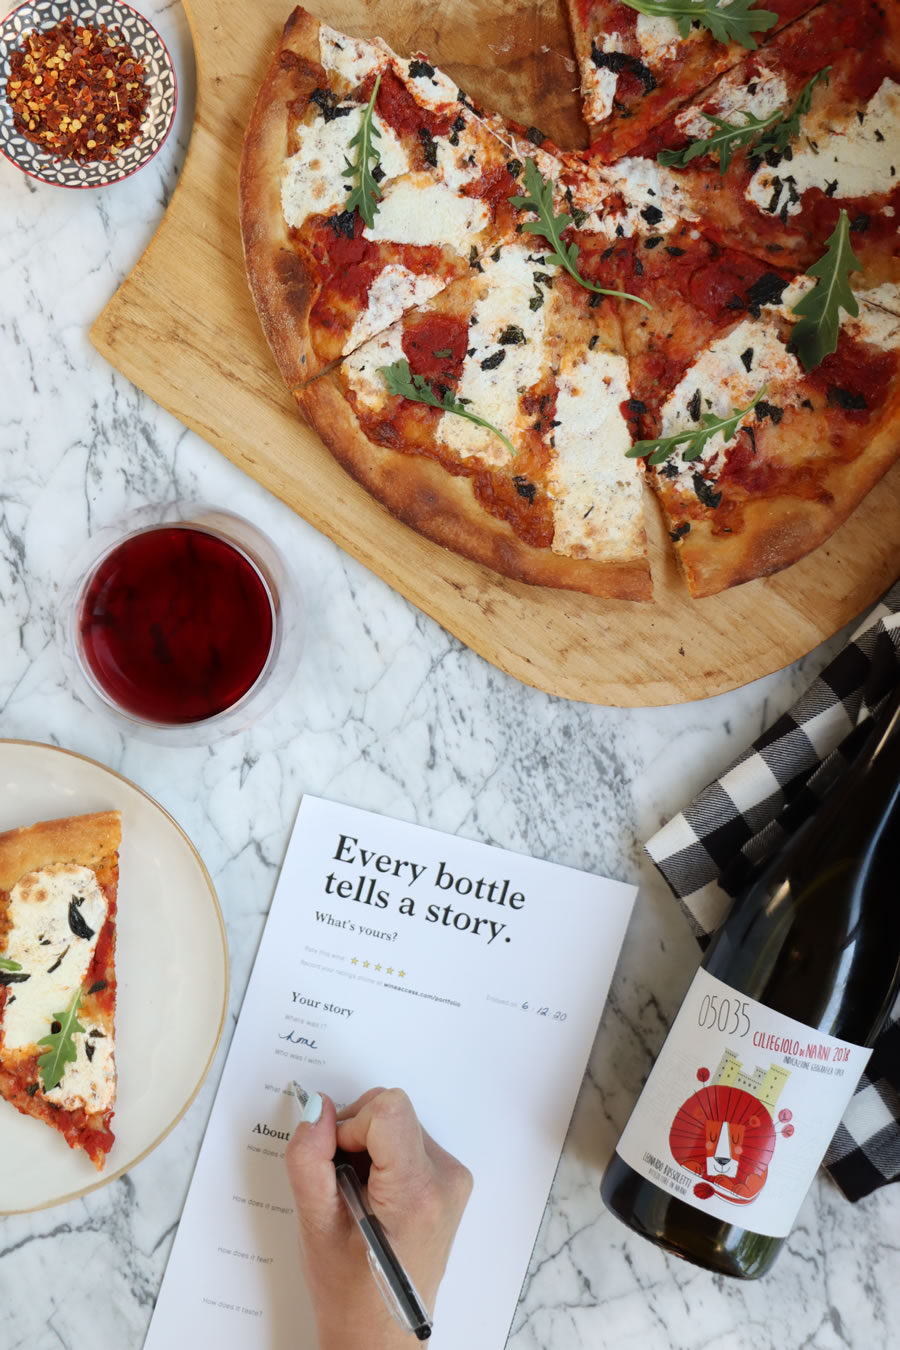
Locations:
column 417, row 1191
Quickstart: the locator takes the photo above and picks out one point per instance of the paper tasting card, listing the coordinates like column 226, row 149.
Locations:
column 393, row 955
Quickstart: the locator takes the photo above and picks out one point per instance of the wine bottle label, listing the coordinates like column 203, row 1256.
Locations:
column 740, row 1108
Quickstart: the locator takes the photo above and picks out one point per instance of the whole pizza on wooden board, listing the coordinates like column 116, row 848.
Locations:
column 503, row 340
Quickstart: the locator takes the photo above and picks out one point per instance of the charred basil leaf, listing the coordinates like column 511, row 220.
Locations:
column 619, row 61
column 97, row 986
column 680, row 531
column 705, row 494
column 492, row 362
column 59, row 960
column 429, row 146
column 328, row 103
column 343, row 222
column 765, row 409
column 418, row 68
column 77, row 924
column 512, row 334
column 767, row 290
column 524, row 488
column 846, row 399
column 535, row 135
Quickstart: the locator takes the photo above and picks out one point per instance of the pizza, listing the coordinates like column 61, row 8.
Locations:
column 839, row 81
column 637, row 67
column 58, row 883
column 505, row 341
column 326, row 276
column 553, row 500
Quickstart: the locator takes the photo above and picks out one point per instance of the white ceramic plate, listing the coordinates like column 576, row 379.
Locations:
column 171, row 968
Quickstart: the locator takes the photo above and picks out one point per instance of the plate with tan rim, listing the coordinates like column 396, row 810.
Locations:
column 171, row 971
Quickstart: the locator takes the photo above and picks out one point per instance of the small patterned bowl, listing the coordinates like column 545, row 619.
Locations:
column 159, row 75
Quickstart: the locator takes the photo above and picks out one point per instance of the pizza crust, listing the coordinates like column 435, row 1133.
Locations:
column 442, row 506
column 88, row 840
column 280, row 277
column 780, row 531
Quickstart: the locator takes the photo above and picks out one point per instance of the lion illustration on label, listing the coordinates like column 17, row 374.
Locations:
column 725, row 1132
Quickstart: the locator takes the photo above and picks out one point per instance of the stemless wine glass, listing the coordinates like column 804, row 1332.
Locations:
column 181, row 621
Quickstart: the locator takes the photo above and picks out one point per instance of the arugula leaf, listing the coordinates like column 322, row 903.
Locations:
column 366, row 193
column 736, row 21
column 6, row 964
column 550, row 227
column 60, row 1045
column 816, row 335
column 416, row 388
column 694, row 439
column 784, row 131
column 781, row 127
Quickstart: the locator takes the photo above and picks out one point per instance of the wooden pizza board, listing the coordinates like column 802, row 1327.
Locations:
column 183, row 328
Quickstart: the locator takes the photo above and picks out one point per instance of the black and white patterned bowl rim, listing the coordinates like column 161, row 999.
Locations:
column 159, row 74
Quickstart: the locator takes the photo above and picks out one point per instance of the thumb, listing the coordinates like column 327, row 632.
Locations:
column 310, row 1167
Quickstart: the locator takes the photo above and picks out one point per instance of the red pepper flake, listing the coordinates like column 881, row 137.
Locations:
column 78, row 91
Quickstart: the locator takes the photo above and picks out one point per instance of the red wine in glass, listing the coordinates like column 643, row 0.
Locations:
column 175, row 625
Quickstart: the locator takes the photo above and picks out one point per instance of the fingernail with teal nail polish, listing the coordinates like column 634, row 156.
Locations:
column 310, row 1104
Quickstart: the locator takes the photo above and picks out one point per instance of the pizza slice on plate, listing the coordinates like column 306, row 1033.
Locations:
column 637, row 65
column 492, row 419
column 58, row 883
column 368, row 183
column 799, row 131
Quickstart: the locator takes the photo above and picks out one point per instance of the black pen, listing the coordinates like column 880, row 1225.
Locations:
column 397, row 1289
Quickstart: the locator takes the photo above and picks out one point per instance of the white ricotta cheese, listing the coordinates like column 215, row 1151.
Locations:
column 435, row 91
column 877, row 326
column 461, row 163
column 56, row 959
column 887, row 296
column 855, row 154
column 732, row 99
column 351, row 59
column 722, row 376
column 494, row 393
column 658, row 38
column 360, row 370
column 312, row 179
column 599, row 86
column 89, row 1080
column 647, row 190
column 417, row 210
column 395, row 290
column 596, row 491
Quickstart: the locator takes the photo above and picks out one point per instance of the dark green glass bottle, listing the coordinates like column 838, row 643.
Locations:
column 815, row 938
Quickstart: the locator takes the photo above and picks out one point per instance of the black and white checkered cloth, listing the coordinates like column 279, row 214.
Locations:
column 708, row 853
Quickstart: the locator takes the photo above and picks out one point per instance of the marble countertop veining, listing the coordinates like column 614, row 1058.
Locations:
column 390, row 713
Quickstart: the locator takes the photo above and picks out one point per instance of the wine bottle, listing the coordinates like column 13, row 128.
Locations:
column 770, row 1041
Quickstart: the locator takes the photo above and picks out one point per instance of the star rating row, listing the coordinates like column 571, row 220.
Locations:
column 370, row 965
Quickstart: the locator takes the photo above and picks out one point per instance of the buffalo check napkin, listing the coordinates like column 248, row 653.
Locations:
column 709, row 852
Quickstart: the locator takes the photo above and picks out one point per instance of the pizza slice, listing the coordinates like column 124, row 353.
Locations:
column 58, row 883
column 637, row 64
column 801, row 130
column 756, row 449
column 491, row 419
column 368, row 182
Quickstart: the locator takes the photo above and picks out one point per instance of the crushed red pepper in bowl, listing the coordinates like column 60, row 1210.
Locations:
column 77, row 91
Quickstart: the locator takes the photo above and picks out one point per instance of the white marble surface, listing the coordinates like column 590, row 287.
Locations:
column 390, row 713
